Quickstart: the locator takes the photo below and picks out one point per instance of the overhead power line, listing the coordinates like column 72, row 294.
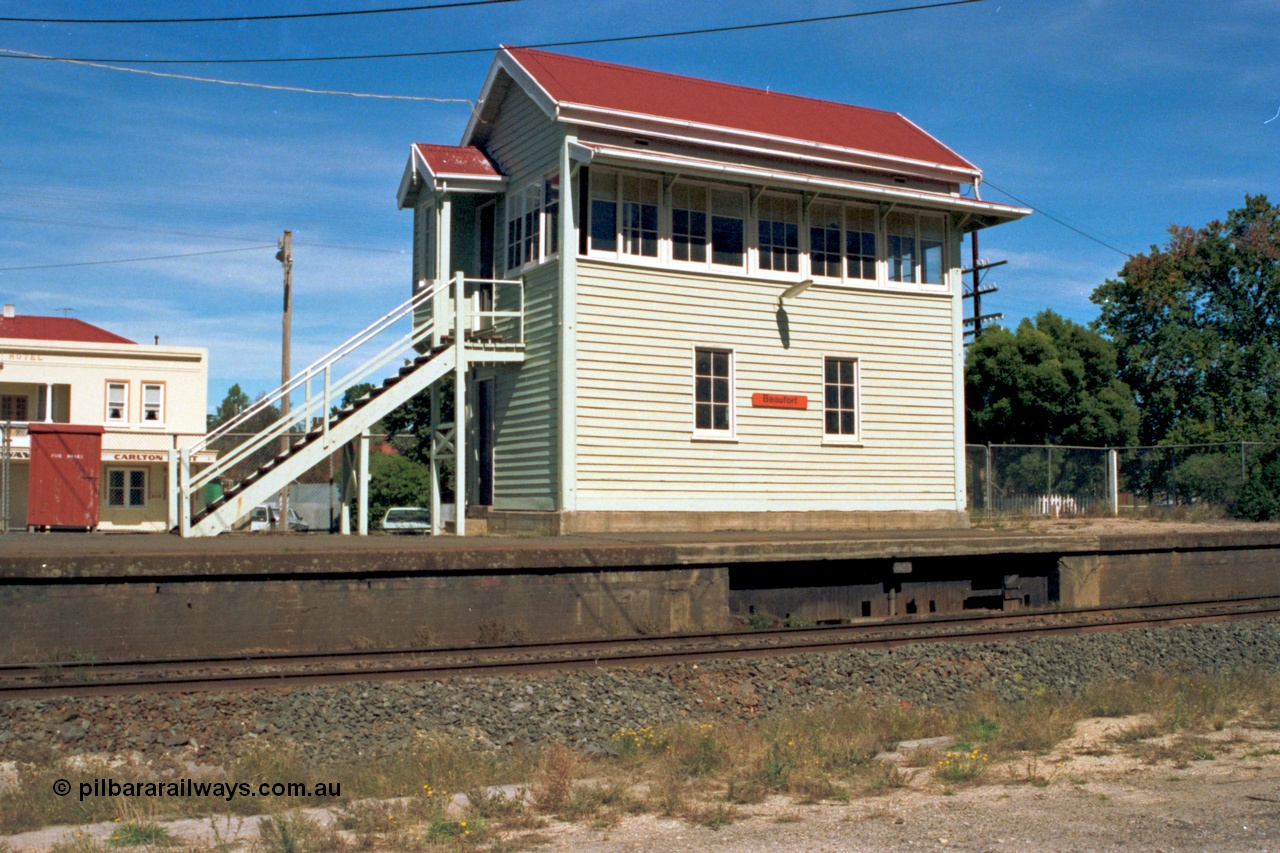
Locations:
column 238, row 18
column 137, row 260
column 1048, row 215
column 471, row 50
column 5, row 53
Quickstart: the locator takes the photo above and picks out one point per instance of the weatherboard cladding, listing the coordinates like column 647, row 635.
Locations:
column 636, row 327
column 621, row 88
column 35, row 328
column 525, row 145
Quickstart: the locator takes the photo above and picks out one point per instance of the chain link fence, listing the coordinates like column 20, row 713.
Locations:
column 1059, row 480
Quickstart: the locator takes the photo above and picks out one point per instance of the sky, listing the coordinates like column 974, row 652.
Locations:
column 1118, row 117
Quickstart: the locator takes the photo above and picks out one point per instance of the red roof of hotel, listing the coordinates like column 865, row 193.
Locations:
column 457, row 160
column 56, row 329
column 570, row 79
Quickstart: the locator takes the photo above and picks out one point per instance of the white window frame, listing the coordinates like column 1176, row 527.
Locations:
column 124, row 407
column 660, row 256
column 878, row 249
column 918, row 264
column 526, row 210
column 731, row 434
column 127, row 489
column 756, row 250
column 159, row 408
column 845, row 439
column 709, row 188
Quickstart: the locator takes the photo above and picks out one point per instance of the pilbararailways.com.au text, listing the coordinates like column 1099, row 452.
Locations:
column 198, row 788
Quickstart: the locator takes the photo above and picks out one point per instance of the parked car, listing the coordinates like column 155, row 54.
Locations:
column 407, row 519
column 264, row 517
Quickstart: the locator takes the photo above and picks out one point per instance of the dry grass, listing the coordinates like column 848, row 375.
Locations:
column 701, row 773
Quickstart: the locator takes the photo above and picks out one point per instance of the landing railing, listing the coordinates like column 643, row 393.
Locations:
column 324, row 371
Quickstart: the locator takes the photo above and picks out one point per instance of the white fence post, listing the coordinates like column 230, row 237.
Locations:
column 1113, row 476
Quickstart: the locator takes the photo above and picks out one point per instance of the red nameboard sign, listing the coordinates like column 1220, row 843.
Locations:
column 780, row 401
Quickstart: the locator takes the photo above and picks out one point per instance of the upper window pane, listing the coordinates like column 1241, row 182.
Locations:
column 860, row 243
column 117, row 401
column 153, row 403
column 932, row 233
column 728, row 214
column 901, row 232
column 640, row 216
column 604, row 211
column 689, row 223
column 824, row 240
column 779, row 234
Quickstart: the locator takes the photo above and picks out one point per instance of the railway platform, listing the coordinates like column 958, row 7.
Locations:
column 113, row 596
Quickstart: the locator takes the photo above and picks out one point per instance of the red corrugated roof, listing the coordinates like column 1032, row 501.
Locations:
column 570, row 79
column 56, row 329
column 457, row 160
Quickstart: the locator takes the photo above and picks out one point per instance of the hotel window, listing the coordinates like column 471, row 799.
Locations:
column 915, row 247
column 840, row 399
column 152, row 403
column 117, row 402
column 778, row 232
column 712, row 392
column 13, row 407
column 127, row 488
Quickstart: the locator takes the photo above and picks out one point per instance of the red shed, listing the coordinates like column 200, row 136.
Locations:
column 63, row 486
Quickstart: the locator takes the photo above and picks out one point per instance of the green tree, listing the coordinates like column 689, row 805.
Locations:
column 233, row 404
column 1197, row 329
column 1050, row 382
column 395, row 481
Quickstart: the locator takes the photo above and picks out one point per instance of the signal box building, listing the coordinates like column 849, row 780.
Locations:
column 742, row 309
column 101, row 415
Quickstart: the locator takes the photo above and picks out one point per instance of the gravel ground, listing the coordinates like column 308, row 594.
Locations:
column 586, row 709
column 1225, row 805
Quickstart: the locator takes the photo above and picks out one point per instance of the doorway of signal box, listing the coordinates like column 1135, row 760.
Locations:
column 486, row 243
column 484, row 442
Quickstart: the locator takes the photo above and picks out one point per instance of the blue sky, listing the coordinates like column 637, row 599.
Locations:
column 1118, row 117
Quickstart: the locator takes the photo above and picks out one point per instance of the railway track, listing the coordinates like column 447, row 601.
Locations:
column 238, row 672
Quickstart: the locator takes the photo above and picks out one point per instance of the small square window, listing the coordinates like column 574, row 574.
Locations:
column 127, row 488
column 840, row 398
column 117, row 402
column 13, row 407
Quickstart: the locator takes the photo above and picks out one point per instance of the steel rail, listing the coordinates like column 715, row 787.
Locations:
column 658, row 650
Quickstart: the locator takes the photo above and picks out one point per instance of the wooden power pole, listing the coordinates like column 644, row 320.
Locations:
column 285, row 257
column 977, row 289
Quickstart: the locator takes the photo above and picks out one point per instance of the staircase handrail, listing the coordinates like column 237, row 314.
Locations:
column 352, row 343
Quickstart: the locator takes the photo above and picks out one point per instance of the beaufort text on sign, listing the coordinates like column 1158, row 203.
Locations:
column 779, row 401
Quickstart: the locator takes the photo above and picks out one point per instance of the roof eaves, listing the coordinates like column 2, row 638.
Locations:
column 504, row 61
column 797, row 179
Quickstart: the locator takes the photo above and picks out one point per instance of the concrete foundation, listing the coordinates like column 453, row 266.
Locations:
column 1103, row 580
column 189, row 617
column 528, row 523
